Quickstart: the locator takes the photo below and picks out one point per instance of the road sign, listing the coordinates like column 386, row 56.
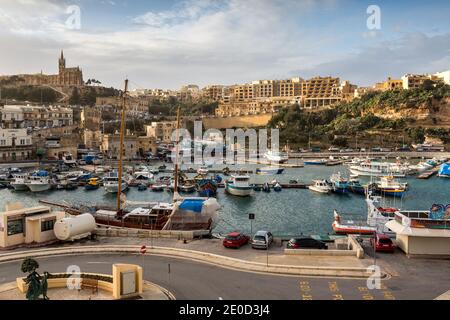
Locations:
column 143, row 249
column 251, row 216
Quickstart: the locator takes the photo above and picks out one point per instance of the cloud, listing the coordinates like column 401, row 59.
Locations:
column 208, row 41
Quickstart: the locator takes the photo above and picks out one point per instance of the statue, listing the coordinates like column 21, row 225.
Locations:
column 37, row 285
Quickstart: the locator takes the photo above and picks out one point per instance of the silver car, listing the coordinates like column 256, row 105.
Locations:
column 262, row 240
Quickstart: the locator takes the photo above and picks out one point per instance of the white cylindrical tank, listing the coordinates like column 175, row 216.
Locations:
column 75, row 227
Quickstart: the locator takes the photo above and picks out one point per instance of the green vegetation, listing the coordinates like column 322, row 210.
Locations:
column 86, row 96
column 169, row 107
column 36, row 94
column 346, row 120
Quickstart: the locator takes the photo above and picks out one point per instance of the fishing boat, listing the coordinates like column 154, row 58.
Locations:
column 206, row 187
column 143, row 176
column 19, row 182
column 317, row 162
column 276, row 156
column 92, row 184
column 351, row 226
column 39, row 182
column 355, row 186
column 389, row 186
column 142, row 187
column 269, row 170
column 111, row 182
column 187, row 188
column 321, row 186
column 239, row 185
column 338, row 183
column 444, row 171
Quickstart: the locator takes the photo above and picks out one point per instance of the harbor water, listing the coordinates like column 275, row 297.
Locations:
column 286, row 213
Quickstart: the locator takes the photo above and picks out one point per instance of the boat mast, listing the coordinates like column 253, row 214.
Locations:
column 175, row 188
column 122, row 131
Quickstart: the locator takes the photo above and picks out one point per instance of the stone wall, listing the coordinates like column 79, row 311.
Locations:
column 238, row 122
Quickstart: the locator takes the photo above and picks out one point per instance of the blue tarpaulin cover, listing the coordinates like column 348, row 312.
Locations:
column 192, row 205
column 445, row 169
column 40, row 173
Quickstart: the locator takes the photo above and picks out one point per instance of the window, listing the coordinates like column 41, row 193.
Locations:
column 47, row 225
column 15, row 227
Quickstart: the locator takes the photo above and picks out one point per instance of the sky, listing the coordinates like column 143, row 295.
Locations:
column 170, row 43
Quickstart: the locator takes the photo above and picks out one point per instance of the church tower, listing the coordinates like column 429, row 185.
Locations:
column 62, row 63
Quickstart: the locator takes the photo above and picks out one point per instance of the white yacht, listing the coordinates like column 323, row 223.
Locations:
column 19, row 182
column 69, row 160
column 38, row 183
column 378, row 169
column 320, row 186
column 143, row 175
column 239, row 186
column 111, row 183
column 276, row 156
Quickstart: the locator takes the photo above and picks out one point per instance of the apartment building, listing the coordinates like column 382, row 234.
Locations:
column 17, row 116
column 15, row 144
column 389, row 84
column 213, row 92
column 161, row 131
column 321, row 92
column 413, row 81
column 134, row 146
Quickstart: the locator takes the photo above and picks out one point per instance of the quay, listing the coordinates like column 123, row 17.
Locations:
column 428, row 174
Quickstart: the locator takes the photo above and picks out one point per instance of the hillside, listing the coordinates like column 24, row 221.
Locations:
column 377, row 118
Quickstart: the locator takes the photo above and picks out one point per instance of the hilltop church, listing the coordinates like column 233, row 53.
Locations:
column 65, row 76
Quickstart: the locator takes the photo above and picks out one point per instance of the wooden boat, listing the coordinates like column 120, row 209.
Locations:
column 239, row 186
column 351, row 226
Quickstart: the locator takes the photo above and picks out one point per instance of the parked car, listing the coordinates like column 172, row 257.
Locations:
column 262, row 240
column 235, row 240
column 382, row 242
column 306, row 243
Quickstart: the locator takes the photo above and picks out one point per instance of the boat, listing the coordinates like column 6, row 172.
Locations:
column 355, row 186
column 317, row 162
column 276, row 156
column 266, row 187
column 187, row 188
column 19, row 182
column 69, row 160
column 92, row 184
column 444, row 171
column 379, row 169
column 142, row 187
column 143, row 176
column 203, row 170
column 351, row 226
column 39, row 182
column 338, row 183
column 277, row 187
column 239, row 186
column 157, row 187
column 206, row 187
column 111, row 183
column 257, row 187
column 269, row 170
column 321, row 186
column 389, row 186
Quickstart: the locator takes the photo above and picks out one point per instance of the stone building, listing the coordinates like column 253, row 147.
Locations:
column 15, row 144
column 134, row 146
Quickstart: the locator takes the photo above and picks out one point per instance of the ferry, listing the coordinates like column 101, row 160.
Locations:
column 378, row 169
column 239, row 186
column 320, row 186
column 276, row 156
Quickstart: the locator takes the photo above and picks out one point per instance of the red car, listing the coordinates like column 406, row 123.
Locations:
column 382, row 243
column 235, row 240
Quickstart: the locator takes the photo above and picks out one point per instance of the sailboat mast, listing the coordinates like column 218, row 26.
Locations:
column 175, row 189
column 122, row 133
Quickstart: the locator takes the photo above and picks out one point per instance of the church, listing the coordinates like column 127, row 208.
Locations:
column 65, row 77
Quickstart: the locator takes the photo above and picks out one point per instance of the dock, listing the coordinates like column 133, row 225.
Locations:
column 428, row 174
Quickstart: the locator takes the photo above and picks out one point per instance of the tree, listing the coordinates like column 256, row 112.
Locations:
column 40, row 154
column 74, row 97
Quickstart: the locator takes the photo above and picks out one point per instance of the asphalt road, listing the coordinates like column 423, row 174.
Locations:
column 195, row 281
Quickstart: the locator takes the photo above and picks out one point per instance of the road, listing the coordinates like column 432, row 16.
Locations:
column 195, row 281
